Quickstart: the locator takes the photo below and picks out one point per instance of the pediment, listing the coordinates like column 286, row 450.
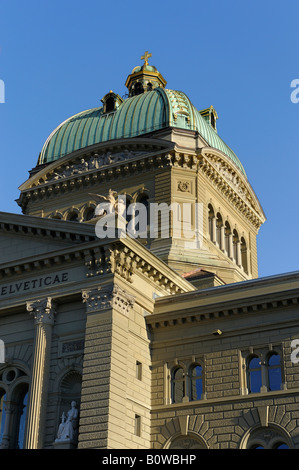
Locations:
column 88, row 161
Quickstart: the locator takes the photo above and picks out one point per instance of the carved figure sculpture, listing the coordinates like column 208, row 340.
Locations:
column 68, row 427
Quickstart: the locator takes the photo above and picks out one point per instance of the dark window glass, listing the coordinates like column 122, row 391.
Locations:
column 2, row 414
column 178, row 386
column 196, row 382
column 22, row 420
column 254, row 375
column 274, row 372
column 109, row 105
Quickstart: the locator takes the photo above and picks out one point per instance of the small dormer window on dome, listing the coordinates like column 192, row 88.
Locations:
column 111, row 102
column 210, row 115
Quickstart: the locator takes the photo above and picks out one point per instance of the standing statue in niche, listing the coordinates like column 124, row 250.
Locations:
column 68, row 428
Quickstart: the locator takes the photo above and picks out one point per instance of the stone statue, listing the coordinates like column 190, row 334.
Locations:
column 105, row 204
column 68, row 427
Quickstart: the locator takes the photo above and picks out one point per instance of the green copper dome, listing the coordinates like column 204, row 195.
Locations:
column 136, row 115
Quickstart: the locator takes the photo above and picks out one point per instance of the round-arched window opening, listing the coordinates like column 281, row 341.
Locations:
column 73, row 217
column 187, row 442
column 10, row 375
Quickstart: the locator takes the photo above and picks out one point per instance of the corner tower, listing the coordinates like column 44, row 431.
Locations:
column 154, row 146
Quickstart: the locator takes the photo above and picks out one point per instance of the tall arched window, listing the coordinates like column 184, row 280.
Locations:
column 177, row 385
column 212, row 222
column 21, row 417
column 274, row 372
column 2, row 413
column 228, row 240
column 196, row 382
column 244, row 259
column 220, row 231
column 254, row 375
column 73, row 217
column 89, row 213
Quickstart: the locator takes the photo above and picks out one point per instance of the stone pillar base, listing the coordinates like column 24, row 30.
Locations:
column 65, row 444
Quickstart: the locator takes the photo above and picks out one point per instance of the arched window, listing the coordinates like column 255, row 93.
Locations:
column 2, row 413
column 178, row 385
column 196, row 379
column 244, row 260
column 73, row 217
column 235, row 245
column 254, row 375
column 21, row 417
column 109, row 105
column 274, row 372
column 219, row 231
column 138, row 88
column 89, row 213
column 228, row 239
column 211, row 220
column 270, row 437
column 213, row 122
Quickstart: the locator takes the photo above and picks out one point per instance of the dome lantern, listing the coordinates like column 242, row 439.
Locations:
column 144, row 78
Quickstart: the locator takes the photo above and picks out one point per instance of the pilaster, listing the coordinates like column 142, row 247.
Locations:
column 104, row 382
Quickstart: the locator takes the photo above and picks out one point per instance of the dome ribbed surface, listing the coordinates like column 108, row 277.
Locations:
column 138, row 115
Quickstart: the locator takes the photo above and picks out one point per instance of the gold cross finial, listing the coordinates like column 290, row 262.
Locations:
column 145, row 57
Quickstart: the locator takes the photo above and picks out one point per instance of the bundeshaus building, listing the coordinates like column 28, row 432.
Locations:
column 152, row 338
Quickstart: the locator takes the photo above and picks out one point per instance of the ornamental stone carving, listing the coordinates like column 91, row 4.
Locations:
column 184, row 186
column 108, row 297
column 94, row 162
column 42, row 310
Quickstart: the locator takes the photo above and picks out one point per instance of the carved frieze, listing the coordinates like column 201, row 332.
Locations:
column 92, row 163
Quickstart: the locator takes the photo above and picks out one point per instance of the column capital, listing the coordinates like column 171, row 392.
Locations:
column 112, row 296
column 43, row 310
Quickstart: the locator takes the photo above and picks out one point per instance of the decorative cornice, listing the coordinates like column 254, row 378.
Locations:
column 43, row 310
column 232, row 185
column 214, row 312
column 126, row 258
column 104, row 298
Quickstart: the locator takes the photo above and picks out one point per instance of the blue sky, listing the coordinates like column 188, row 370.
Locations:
column 58, row 58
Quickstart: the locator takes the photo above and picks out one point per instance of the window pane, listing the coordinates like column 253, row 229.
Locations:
column 274, row 360
column 2, row 416
column 282, row 446
column 178, row 385
column 254, row 363
column 22, row 421
column 178, row 392
column 255, row 379
column 196, row 371
column 254, row 375
column 196, row 383
column 179, row 374
column 196, row 389
column 275, row 378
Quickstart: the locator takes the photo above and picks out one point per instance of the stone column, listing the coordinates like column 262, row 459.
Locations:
column 103, row 410
column 43, row 312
